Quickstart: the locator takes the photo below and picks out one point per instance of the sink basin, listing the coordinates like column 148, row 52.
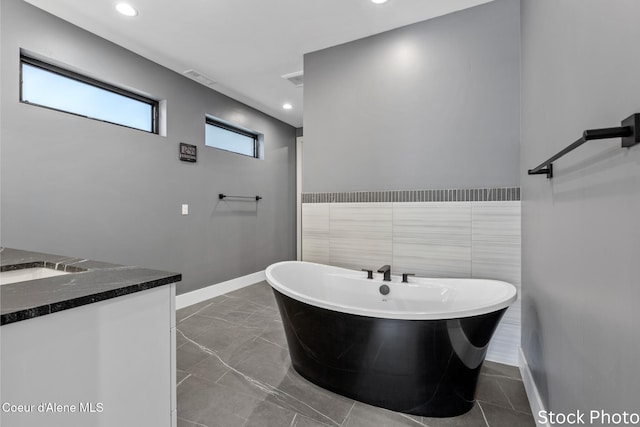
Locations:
column 14, row 276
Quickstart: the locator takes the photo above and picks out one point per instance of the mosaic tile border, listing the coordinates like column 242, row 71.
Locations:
column 445, row 195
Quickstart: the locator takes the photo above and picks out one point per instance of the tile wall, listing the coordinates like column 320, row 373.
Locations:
column 436, row 233
column 441, row 195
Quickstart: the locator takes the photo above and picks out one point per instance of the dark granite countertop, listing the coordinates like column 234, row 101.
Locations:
column 90, row 281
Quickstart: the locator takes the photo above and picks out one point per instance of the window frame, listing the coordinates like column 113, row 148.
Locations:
column 154, row 104
column 235, row 129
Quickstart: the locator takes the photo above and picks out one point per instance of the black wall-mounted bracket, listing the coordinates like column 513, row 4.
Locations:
column 544, row 171
column 629, row 132
column 633, row 122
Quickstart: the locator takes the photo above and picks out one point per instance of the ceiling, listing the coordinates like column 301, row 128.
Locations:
column 245, row 46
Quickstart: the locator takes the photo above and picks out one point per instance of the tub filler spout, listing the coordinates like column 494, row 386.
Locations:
column 386, row 270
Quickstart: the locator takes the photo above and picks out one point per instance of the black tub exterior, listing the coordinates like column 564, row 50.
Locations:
column 420, row 367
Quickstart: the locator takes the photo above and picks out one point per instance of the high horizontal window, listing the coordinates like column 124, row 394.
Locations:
column 49, row 86
column 222, row 135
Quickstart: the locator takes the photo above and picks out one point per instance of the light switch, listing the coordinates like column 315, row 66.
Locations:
column 185, row 209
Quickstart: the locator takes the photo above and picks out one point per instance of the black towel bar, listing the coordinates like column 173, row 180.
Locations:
column 629, row 132
column 224, row 196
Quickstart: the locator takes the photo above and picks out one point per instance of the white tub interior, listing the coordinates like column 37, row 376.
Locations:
column 350, row 291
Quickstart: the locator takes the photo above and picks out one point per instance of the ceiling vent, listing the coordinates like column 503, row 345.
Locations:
column 199, row 77
column 297, row 78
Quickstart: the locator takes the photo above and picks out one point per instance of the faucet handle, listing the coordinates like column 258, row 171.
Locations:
column 405, row 277
column 369, row 273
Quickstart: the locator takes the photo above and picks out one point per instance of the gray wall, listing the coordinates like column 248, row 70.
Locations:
column 84, row 188
column 580, row 230
column 430, row 105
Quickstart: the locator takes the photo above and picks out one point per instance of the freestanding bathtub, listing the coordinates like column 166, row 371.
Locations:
column 418, row 349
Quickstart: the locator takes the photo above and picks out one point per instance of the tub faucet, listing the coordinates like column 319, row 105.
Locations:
column 386, row 270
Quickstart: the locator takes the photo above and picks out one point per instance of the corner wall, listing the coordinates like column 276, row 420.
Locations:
column 430, row 105
column 84, row 188
column 580, row 230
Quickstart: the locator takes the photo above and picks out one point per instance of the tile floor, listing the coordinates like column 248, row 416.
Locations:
column 234, row 370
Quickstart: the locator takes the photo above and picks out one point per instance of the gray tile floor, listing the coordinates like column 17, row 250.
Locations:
column 234, row 370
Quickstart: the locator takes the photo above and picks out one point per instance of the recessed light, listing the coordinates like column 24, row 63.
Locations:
column 378, row 1
column 126, row 9
column 287, row 106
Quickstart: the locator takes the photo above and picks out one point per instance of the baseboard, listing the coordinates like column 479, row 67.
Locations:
column 532, row 391
column 194, row 297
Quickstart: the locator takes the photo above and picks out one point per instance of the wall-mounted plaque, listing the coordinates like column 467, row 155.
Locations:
column 188, row 152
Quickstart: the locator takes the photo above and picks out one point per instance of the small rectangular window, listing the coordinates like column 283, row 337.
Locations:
column 50, row 86
column 225, row 136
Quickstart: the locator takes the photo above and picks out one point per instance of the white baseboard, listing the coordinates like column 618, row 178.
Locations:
column 194, row 297
column 532, row 391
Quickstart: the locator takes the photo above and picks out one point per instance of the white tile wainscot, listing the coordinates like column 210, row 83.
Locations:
column 432, row 239
column 315, row 232
column 360, row 234
column 437, row 239
column 496, row 255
